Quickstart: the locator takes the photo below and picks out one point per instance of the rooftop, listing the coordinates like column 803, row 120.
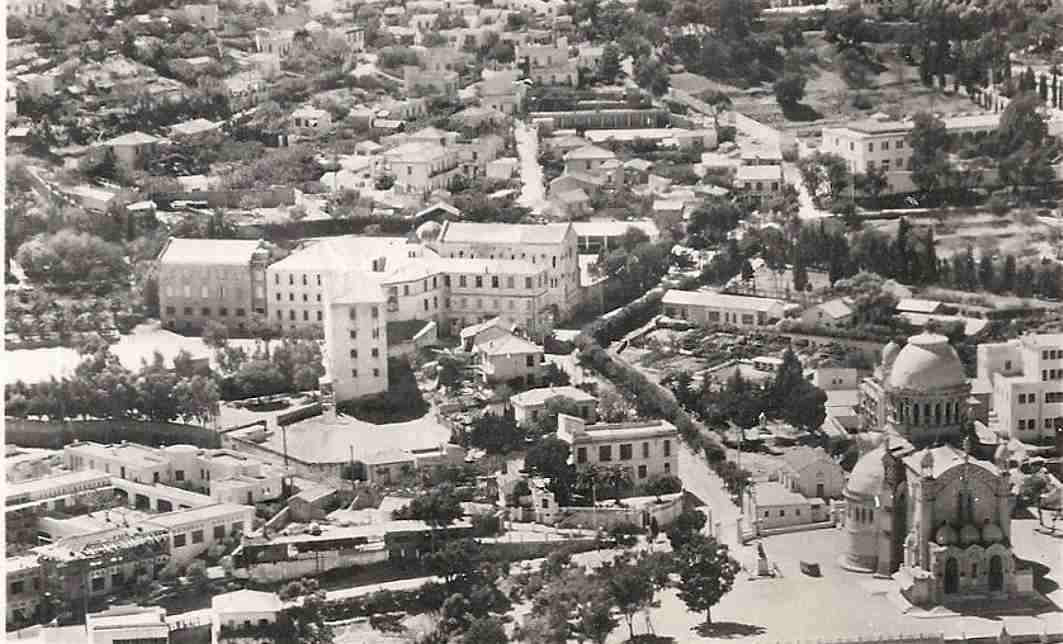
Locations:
column 720, row 300
column 624, row 431
column 508, row 345
column 416, row 151
column 208, row 252
column 457, row 232
column 56, row 480
column 246, row 601
column 774, row 493
column 614, row 228
column 132, row 454
column 126, row 617
column 943, row 459
column 758, row 173
column 195, row 126
column 916, row 305
column 132, row 138
column 543, row 394
column 801, row 457
column 205, row 513
column 489, row 266
column 589, row 152
column 474, row 329
column 836, row 308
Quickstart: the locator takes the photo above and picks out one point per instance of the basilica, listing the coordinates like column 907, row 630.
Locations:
column 921, row 509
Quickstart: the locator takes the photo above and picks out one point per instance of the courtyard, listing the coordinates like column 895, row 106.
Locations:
column 843, row 604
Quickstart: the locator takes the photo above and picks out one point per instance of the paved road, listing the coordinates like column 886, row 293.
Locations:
column 532, row 192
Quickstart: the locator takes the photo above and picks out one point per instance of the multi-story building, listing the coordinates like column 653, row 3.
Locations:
column 551, row 246
column 89, row 566
column 131, row 151
column 479, row 288
column 356, row 336
column 646, row 448
column 128, row 625
column 274, row 41
column 24, row 579
column 421, row 167
column 212, row 280
column 549, row 65
column 192, row 532
column 717, row 308
column 759, row 181
column 202, row 15
column 27, row 500
column 1027, row 379
column 595, row 236
column 502, row 91
column 244, row 616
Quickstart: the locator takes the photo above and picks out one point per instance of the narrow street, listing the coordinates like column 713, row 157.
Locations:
column 532, row 192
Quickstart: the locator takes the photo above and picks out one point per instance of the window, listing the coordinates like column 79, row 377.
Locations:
column 605, row 453
column 405, row 289
column 581, row 454
column 667, row 447
column 1007, row 365
column 17, row 587
column 900, row 144
column 354, row 334
column 291, row 297
column 642, row 471
column 179, row 541
column 376, row 373
column 197, row 536
column 306, row 316
column 870, row 147
column 97, row 584
column 462, row 281
column 354, row 373
column 291, row 315
column 319, row 316
column 782, row 513
column 375, row 352
column 528, row 282
column 885, row 145
column 354, row 353
column 479, row 281
column 376, row 333
column 179, row 475
column 170, row 310
column 495, row 281
column 204, row 291
column 291, row 280
column 529, row 361
column 374, row 312
column 645, row 450
column 625, row 452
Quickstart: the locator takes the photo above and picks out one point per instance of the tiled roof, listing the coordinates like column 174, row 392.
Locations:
column 589, row 152
column 541, row 395
column 246, row 601
column 800, row 458
column 509, row 344
column 132, row 138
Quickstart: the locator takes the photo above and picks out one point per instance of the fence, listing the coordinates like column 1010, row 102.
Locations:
column 54, row 435
column 608, row 517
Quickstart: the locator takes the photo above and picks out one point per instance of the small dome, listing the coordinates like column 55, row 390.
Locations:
column 889, row 353
column 429, row 231
column 969, row 534
column 945, row 536
column 927, row 363
column 991, row 533
column 868, row 474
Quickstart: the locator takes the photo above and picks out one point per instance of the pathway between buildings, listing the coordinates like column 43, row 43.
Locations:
column 532, row 192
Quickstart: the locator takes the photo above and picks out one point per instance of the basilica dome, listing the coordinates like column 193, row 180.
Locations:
column 928, row 362
column 945, row 536
column 991, row 533
column 428, row 231
column 868, row 474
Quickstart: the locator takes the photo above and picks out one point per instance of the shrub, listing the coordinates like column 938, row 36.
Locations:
column 997, row 205
column 862, row 102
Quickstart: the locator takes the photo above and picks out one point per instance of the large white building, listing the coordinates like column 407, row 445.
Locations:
column 193, row 532
column 646, row 448
column 705, row 307
column 1027, row 380
column 126, row 624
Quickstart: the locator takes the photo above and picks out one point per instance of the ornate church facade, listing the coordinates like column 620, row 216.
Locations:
column 934, row 517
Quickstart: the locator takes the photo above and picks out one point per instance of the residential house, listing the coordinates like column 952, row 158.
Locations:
column 832, row 313
column 572, row 203
column 246, row 90
column 772, row 505
column 503, row 169
column 421, row 168
column 191, row 69
column 549, row 65
column 645, row 448
column 502, row 91
column 274, row 41
column 705, row 307
column 244, row 615
column 131, row 150
column 24, row 581
column 588, row 158
column 1027, row 379
column 121, row 624
column 481, row 332
column 308, row 120
column 529, row 405
column 197, row 132
column 219, row 280
column 510, row 358
column 759, row 181
column 811, row 472
column 204, row 16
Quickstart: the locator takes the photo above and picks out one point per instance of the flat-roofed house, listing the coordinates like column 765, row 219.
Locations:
column 719, row 308
column 219, row 280
column 130, row 150
column 770, row 504
column 192, row 532
column 24, row 581
column 588, row 158
column 759, row 181
column 124, row 624
column 529, row 405
column 244, row 616
column 646, row 448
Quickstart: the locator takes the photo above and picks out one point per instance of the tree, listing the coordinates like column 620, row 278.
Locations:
column 789, row 90
column 1007, row 278
column 929, row 142
column 652, row 76
column 68, row 259
column 594, row 618
column 485, row 630
column 549, row 458
column 1032, row 491
column 1021, row 124
column 610, row 65
column 384, row 182
column 685, row 528
column 629, row 587
column 872, row 183
column 824, row 170
column 259, row 378
column 706, row 573
column 800, row 273
column 458, row 561
column 215, row 335
column 496, row 434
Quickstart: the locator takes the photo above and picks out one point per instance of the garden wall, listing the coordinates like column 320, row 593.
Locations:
column 607, row 517
column 53, row 435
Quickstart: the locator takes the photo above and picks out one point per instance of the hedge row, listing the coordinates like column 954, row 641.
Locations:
column 617, row 324
column 54, row 435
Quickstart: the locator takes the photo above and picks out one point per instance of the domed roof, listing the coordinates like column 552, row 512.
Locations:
column 428, row 231
column 868, row 474
column 889, row 353
column 928, row 362
column 991, row 533
column 945, row 536
column 969, row 534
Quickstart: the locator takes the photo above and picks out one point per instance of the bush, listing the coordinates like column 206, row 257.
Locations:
column 625, row 535
column 486, row 525
column 862, row 102
column 997, row 205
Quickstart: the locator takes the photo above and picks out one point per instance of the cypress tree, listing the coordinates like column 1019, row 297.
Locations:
column 930, row 260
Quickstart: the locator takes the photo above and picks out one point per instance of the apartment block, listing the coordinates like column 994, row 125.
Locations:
column 212, row 280
column 1027, row 385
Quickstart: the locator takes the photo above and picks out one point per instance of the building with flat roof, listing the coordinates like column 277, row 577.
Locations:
column 212, row 280
column 24, row 579
column 1027, row 379
column 596, row 235
column 529, row 405
column 770, row 504
column 126, row 624
column 759, row 181
column 705, row 307
column 645, row 448
column 244, row 615
column 190, row 533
